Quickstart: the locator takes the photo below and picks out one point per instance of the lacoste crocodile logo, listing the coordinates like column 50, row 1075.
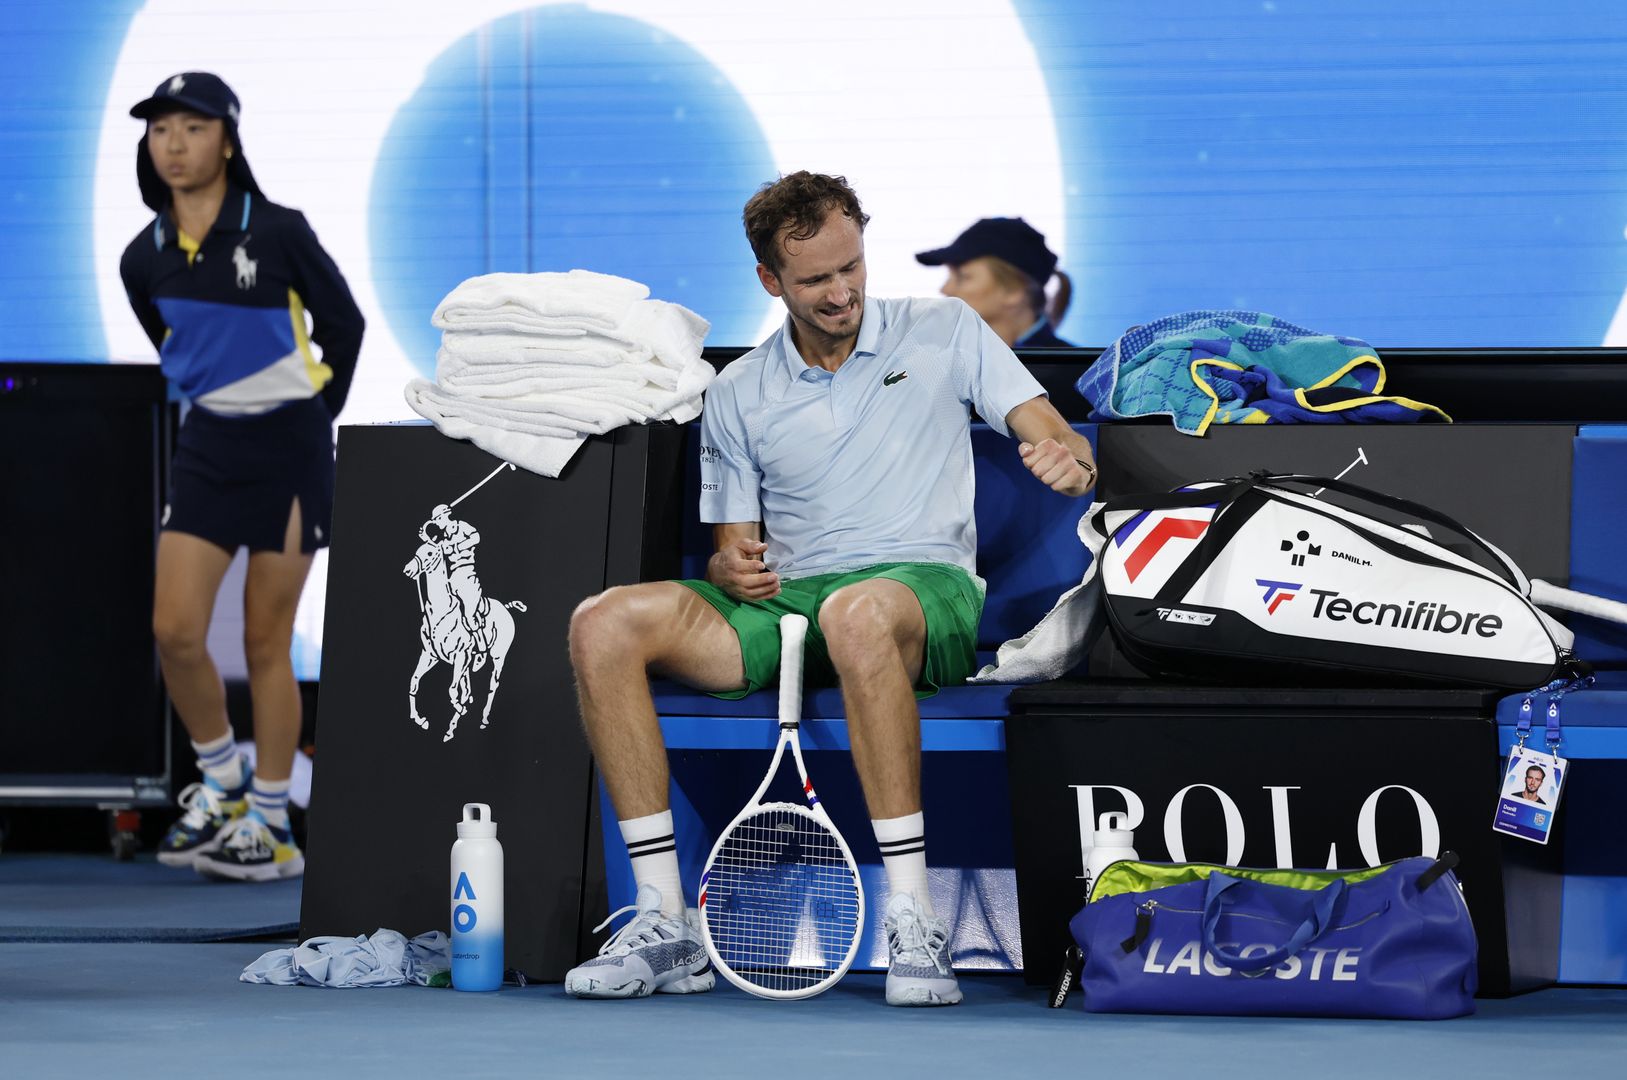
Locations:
column 895, row 377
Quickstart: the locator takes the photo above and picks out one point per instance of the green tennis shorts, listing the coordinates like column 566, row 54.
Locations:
column 950, row 598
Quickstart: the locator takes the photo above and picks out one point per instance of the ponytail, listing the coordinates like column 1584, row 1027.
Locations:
column 1058, row 306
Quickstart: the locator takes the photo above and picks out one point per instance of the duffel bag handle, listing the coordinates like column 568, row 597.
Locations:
column 1317, row 921
column 1505, row 566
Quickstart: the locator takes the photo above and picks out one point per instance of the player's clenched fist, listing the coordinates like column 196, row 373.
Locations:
column 1055, row 466
column 739, row 570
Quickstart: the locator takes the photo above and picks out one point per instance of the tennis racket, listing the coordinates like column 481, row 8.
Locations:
column 780, row 900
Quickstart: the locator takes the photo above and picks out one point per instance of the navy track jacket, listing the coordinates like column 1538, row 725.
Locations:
column 228, row 318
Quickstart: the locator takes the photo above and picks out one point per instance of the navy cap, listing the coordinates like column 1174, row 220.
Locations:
column 1011, row 239
column 194, row 91
column 206, row 95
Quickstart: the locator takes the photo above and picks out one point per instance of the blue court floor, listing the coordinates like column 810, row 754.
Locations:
column 150, row 1010
column 83, row 898
column 125, row 970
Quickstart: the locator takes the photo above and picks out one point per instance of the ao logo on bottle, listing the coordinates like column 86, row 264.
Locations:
column 463, row 915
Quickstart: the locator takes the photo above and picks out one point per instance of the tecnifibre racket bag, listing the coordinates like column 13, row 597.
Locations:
column 1254, row 579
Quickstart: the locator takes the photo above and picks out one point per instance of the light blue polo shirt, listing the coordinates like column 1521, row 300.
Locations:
column 872, row 464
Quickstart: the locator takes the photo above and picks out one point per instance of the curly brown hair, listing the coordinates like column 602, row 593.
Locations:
column 796, row 206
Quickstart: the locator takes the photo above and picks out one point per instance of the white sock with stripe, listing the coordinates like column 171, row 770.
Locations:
column 654, row 853
column 219, row 761
column 269, row 798
column 902, row 841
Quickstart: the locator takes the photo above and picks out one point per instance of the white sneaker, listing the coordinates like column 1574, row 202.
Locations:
column 920, row 971
column 253, row 850
column 654, row 953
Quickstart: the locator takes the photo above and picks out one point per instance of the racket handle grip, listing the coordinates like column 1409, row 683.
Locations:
column 793, row 629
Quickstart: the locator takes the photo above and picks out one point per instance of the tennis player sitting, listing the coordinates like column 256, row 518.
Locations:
column 836, row 468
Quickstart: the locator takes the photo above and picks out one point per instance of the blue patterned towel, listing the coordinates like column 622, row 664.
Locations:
column 1242, row 367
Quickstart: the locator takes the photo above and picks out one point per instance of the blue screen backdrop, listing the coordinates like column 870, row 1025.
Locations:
column 1415, row 173
column 547, row 140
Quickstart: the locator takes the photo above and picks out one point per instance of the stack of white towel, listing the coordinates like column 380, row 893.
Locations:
column 532, row 364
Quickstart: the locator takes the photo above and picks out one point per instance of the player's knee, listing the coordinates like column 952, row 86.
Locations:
column 586, row 626
column 610, row 624
column 859, row 627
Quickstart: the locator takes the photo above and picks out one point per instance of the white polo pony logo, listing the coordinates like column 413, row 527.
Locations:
column 248, row 270
column 460, row 626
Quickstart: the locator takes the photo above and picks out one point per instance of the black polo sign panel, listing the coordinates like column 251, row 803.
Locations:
column 446, row 679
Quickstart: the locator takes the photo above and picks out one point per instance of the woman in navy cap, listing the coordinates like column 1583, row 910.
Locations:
column 1000, row 267
column 222, row 281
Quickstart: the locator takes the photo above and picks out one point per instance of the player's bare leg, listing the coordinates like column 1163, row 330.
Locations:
column 620, row 637
column 876, row 633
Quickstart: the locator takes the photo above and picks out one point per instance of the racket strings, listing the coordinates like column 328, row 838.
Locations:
column 782, row 901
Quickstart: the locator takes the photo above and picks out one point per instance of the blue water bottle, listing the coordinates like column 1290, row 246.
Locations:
column 477, row 902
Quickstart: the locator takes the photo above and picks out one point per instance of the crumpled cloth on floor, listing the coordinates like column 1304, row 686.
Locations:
column 385, row 959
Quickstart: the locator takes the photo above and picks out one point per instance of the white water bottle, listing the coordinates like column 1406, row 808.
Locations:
column 1112, row 842
column 477, row 902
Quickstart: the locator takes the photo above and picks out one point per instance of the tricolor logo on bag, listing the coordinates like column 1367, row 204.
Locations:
column 1167, row 529
column 1276, row 593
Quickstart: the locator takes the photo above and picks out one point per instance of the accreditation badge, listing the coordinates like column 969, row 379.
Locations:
column 1530, row 794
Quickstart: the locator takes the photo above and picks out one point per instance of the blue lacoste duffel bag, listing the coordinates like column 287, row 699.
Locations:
column 1391, row 941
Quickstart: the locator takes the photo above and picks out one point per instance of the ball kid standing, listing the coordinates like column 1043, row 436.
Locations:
column 222, row 280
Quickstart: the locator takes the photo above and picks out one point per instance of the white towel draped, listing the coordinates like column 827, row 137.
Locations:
column 1059, row 641
column 542, row 448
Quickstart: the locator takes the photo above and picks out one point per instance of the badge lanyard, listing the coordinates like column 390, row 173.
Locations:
column 1523, row 726
column 1518, row 816
column 1555, row 691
